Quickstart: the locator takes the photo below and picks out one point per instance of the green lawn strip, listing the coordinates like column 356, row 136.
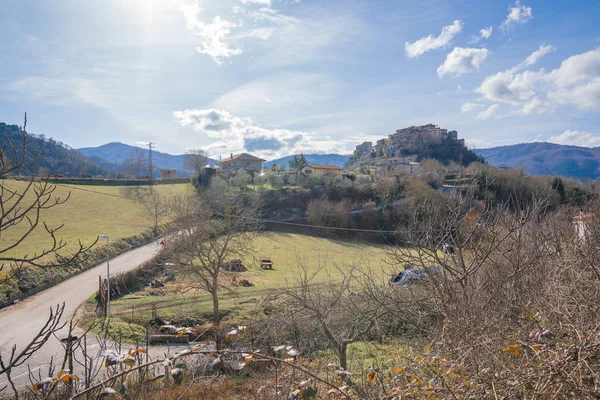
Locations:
column 90, row 211
column 118, row 330
column 193, row 308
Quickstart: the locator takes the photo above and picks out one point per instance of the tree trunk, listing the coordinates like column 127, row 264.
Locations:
column 343, row 359
column 216, row 314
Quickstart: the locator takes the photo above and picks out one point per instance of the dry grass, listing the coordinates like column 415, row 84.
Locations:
column 87, row 215
column 221, row 389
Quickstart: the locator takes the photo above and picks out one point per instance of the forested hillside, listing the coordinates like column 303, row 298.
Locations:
column 53, row 157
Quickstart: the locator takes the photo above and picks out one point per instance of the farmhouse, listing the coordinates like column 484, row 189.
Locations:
column 242, row 161
column 395, row 165
column 168, row 173
column 322, row 169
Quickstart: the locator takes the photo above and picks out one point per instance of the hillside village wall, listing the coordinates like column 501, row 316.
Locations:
column 403, row 137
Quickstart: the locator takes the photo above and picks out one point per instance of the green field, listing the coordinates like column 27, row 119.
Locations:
column 90, row 211
column 287, row 251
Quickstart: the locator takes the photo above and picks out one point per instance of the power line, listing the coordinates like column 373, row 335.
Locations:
column 327, row 227
column 260, row 220
column 253, row 219
column 92, row 191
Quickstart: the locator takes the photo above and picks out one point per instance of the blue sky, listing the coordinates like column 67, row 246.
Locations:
column 275, row 77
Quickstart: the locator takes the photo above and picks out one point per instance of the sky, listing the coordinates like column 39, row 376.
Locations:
column 276, row 77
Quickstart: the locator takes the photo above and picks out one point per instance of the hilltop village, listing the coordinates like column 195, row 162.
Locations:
column 404, row 149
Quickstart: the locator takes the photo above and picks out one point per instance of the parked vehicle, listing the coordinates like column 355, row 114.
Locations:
column 410, row 276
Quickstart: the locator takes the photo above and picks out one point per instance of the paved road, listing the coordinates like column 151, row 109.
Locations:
column 20, row 322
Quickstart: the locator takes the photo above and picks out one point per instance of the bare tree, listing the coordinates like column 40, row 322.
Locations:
column 21, row 208
column 151, row 202
column 195, row 160
column 136, row 162
column 337, row 305
column 210, row 231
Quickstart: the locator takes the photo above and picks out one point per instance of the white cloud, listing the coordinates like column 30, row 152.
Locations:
column 485, row 33
column 462, row 60
column 258, row 33
column 585, row 96
column 261, row 2
column 220, row 38
column 536, row 55
column 489, row 113
column 510, row 88
column 470, row 107
column 517, row 15
column 215, row 40
column 235, row 134
column 535, row 106
column 431, row 42
column 576, row 138
column 576, row 82
column 578, row 68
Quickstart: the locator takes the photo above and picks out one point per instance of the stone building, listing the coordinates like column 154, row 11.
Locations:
column 322, row 169
column 364, row 149
column 242, row 161
column 391, row 166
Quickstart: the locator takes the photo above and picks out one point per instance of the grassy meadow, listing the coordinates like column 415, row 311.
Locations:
column 286, row 250
column 90, row 211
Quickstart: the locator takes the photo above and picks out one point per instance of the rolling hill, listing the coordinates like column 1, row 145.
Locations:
column 53, row 157
column 329, row 159
column 543, row 158
column 114, row 154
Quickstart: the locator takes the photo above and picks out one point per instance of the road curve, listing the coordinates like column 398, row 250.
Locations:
column 21, row 321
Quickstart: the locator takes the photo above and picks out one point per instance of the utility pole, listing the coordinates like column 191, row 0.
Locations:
column 150, row 168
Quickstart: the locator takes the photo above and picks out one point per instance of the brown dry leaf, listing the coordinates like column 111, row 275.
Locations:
column 371, row 376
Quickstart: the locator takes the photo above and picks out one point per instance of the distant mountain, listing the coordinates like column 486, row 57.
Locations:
column 327, row 159
column 112, row 155
column 547, row 159
column 54, row 157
